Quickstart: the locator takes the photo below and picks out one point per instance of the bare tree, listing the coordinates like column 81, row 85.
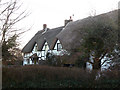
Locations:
column 9, row 17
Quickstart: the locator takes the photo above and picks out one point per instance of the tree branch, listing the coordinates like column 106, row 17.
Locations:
column 8, row 22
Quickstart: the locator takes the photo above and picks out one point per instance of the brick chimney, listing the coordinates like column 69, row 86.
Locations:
column 44, row 26
column 67, row 21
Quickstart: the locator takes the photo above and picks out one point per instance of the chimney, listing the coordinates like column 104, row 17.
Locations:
column 67, row 21
column 44, row 26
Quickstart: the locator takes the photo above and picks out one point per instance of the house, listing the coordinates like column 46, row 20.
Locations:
column 45, row 41
column 61, row 40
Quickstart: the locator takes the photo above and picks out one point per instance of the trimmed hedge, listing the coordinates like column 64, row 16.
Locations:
column 55, row 77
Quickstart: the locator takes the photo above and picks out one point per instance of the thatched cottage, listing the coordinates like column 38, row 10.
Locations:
column 45, row 41
column 61, row 40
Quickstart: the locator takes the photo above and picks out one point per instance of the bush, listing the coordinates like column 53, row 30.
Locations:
column 54, row 60
column 42, row 76
column 57, row 77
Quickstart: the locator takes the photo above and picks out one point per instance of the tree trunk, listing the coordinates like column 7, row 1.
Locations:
column 97, row 64
column 84, row 65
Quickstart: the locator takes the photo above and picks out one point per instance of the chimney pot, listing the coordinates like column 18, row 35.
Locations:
column 44, row 26
column 67, row 21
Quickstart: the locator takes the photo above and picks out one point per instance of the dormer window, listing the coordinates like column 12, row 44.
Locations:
column 44, row 51
column 35, row 49
column 45, row 47
column 59, row 47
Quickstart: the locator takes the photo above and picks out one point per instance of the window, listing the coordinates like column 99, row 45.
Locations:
column 59, row 47
column 27, row 55
column 42, row 55
column 35, row 49
column 44, row 51
column 45, row 47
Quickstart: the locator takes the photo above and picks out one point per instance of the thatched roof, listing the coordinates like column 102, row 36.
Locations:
column 40, row 38
column 49, row 37
column 71, row 35
column 30, row 45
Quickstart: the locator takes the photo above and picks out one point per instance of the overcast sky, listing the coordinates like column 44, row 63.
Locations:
column 54, row 12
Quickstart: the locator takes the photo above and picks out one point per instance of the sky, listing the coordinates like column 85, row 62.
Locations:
column 54, row 12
